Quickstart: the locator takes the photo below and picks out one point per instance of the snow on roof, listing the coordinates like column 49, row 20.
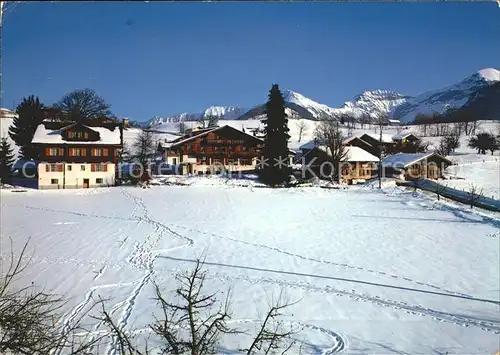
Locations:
column 399, row 137
column 205, row 132
column 394, row 121
column 402, row 160
column 351, row 138
column 386, row 138
column 165, row 145
column 308, row 145
column 354, row 154
column 53, row 136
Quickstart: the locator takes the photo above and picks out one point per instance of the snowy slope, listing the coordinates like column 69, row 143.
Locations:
column 453, row 96
column 374, row 272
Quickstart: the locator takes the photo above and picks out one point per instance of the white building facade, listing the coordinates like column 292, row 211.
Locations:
column 76, row 155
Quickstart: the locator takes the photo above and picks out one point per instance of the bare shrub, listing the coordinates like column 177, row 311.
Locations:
column 272, row 333
column 473, row 194
column 31, row 321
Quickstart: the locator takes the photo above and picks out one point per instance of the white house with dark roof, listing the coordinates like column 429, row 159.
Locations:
column 76, row 155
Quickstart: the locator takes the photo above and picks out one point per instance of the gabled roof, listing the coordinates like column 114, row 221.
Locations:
column 403, row 160
column 54, row 136
column 386, row 138
column 206, row 132
column 399, row 137
column 357, row 137
column 308, row 145
column 354, row 154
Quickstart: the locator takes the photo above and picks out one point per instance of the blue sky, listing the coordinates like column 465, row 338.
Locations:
column 151, row 59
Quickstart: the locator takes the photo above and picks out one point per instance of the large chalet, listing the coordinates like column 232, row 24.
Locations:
column 209, row 150
column 77, row 155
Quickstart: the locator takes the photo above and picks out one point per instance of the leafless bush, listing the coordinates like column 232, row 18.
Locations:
column 272, row 333
column 31, row 321
column 195, row 323
column 194, row 312
column 474, row 194
column 439, row 189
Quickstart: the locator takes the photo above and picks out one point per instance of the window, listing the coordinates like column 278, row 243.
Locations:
column 53, row 168
column 99, row 152
column 99, row 167
column 174, row 161
column 98, row 181
column 245, row 162
column 82, row 167
column 96, row 152
column 71, row 134
column 54, row 181
column 51, row 152
column 77, row 152
column 69, row 167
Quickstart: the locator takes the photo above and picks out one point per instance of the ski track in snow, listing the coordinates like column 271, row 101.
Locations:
column 143, row 257
column 347, row 266
column 462, row 320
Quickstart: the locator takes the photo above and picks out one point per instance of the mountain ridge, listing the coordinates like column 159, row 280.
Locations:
column 368, row 103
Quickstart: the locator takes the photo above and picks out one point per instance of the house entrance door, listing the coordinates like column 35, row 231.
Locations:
column 85, row 183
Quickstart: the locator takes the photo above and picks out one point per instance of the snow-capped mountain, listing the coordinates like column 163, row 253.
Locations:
column 371, row 102
column 222, row 112
column 454, row 96
column 296, row 105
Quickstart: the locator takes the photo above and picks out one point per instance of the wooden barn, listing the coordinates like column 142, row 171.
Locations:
column 415, row 166
column 358, row 165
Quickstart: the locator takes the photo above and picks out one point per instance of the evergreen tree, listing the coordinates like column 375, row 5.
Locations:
column 6, row 160
column 30, row 115
column 275, row 163
column 483, row 142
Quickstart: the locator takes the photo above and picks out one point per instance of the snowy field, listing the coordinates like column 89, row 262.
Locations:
column 376, row 272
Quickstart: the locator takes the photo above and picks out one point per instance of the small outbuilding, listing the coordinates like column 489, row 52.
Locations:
column 415, row 166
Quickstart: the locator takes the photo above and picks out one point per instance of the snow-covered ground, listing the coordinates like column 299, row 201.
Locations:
column 376, row 272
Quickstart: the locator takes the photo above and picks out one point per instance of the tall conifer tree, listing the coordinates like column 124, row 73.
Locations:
column 6, row 159
column 30, row 115
column 275, row 162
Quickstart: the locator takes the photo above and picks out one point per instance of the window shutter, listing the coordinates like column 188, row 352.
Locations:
column 105, row 167
column 61, row 152
column 84, row 152
column 47, row 151
column 92, row 167
column 59, row 167
column 105, row 152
